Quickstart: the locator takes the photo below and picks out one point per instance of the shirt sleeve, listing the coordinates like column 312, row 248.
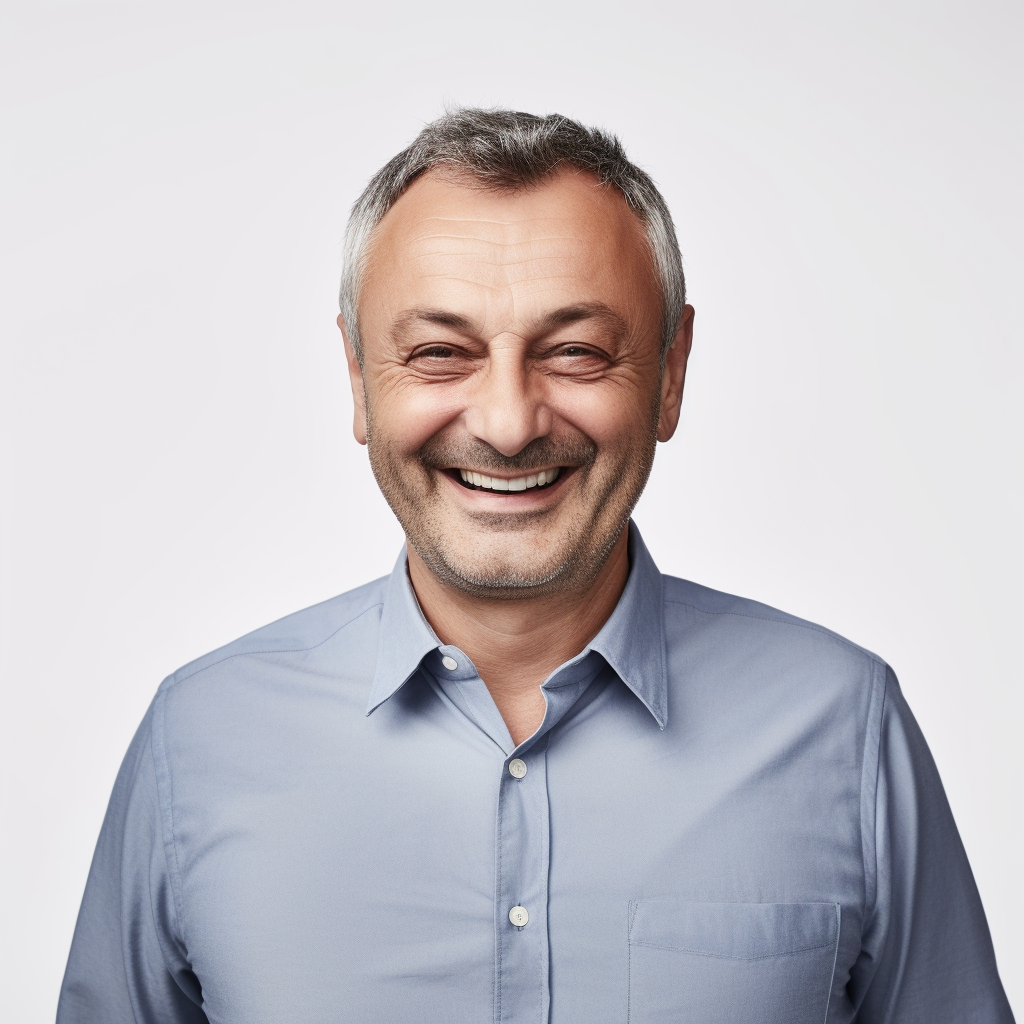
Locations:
column 927, row 955
column 128, row 962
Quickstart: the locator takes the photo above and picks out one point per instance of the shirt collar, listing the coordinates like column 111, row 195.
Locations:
column 405, row 636
column 632, row 641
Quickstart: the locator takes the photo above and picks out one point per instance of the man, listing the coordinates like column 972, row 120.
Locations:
column 526, row 777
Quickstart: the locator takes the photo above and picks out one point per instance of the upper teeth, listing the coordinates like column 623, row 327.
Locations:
column 520, row 483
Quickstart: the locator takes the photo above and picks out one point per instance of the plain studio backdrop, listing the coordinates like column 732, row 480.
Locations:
column 179, row 463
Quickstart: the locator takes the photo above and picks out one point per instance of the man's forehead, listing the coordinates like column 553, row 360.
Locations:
column 569, row 204
column 505, row 257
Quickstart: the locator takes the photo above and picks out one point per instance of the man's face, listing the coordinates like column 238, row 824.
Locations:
column 511, row 391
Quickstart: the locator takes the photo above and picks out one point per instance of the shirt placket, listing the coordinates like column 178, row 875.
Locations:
column 522, row 838
column 523, row 851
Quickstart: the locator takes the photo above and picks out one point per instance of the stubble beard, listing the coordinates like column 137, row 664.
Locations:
column 500, row 568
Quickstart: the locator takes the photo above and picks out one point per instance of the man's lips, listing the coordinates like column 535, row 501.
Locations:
column 479, row 481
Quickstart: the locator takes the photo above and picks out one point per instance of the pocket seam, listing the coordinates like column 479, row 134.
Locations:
column 634, row 906
column 726, row 956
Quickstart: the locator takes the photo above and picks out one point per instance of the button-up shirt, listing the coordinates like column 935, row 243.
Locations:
column 727, row 815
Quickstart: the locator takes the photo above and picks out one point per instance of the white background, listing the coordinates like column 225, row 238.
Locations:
column 179, row 467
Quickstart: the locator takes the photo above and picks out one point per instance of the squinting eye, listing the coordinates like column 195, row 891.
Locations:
column 579, row 361
column 577, row 352
column 440, row 361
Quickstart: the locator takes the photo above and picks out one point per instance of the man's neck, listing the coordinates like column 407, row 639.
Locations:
column 517, row 644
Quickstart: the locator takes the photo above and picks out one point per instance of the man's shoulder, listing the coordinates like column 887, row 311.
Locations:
column 748, row 665
column 741, row 621
column 300, row 633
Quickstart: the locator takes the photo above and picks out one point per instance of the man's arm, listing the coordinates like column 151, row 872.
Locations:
column 927, row 955
column 127, row 961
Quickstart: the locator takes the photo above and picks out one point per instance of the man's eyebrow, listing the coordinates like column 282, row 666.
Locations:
column 583, row 311
column 563, row 317
column 437, row 317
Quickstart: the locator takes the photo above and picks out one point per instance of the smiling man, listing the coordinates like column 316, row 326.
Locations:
column 526, row 777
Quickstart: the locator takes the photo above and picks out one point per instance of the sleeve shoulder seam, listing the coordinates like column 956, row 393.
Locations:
column 165, row 789
column 870, row 778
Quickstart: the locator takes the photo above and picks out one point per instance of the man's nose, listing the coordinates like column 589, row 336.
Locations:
column 507, row 408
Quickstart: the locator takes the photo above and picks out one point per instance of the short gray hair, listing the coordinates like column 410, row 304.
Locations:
column 508, row 150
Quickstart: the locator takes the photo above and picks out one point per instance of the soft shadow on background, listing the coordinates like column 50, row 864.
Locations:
column 179, row 467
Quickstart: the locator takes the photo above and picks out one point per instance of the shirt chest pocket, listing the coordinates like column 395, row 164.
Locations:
column 731, row 963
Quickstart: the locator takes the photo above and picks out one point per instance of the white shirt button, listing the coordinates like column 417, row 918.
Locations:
column 518, row 916
column 517, row 768
column 449, row 663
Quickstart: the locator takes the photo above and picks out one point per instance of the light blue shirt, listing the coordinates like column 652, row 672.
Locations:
column 728, row 815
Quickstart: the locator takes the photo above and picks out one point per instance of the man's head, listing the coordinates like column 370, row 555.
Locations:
column 513, row 305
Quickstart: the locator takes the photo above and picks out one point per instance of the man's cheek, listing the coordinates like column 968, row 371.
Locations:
column 403, row 430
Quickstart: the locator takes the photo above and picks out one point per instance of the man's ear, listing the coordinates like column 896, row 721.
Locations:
column 674, row 376
column 355, row 377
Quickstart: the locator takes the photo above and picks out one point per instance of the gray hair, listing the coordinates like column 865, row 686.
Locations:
column 508, row 150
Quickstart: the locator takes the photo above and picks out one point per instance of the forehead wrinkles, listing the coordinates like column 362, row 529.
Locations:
column 497, row 255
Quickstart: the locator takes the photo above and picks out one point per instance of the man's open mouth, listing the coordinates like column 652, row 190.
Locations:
column 482, row 482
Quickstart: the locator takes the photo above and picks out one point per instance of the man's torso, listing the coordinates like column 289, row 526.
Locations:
column 338, row 865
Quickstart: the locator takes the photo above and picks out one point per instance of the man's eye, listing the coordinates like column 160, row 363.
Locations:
column 439, row 360
column 577, row 352
column 432, row 354
column 577, row 361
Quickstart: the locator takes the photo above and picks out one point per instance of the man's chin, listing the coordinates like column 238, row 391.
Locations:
column 523, row 557
column 511, row 570
column 499, row 581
